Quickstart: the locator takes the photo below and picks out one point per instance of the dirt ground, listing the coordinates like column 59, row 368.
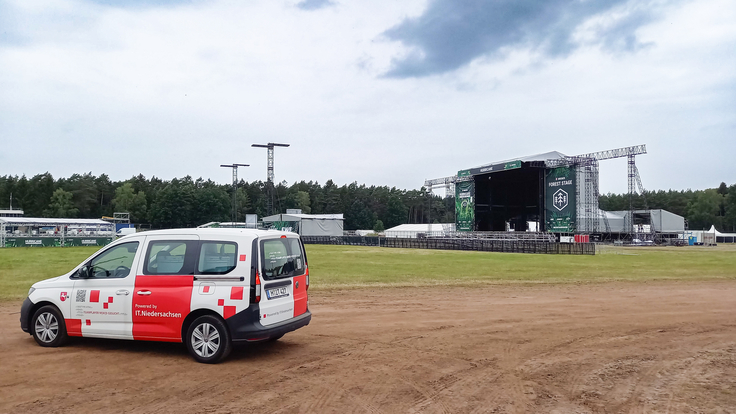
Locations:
column 664, row 347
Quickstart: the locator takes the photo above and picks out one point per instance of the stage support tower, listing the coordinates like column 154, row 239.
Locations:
column 269, row 172
column 234, row 212
column 589, row 163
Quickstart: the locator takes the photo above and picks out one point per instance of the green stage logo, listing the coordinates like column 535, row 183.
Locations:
column 560, row 203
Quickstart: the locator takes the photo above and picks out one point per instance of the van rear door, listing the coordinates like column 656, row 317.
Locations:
column 282, row 268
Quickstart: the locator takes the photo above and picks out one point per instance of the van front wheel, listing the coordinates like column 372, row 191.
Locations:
column 208, row 340
column 48, row 327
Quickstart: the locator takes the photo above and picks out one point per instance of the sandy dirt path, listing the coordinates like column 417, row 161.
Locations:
column 664, row 347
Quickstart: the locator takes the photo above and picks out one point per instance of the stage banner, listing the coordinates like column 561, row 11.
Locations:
column 292, row 226
column 560, row 203
column 465, row 206
column 56, row 241
column 32, row 242
column 87, row 241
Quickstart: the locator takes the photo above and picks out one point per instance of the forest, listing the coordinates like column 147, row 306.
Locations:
column 187, row 202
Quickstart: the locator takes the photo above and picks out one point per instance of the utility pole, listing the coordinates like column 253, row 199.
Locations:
column 234, row 213
column 269, row 172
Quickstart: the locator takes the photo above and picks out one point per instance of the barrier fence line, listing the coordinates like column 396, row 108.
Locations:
column 483, row 245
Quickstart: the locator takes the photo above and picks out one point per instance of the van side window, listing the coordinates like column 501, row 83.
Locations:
column 115, row 262
column 175, row 257
column 216, row 258
column 281, row 258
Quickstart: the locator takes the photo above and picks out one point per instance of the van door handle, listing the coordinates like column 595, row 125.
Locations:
column 122, row 292
column 144, row 292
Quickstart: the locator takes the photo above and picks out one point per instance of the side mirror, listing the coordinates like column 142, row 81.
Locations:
column 83, row 272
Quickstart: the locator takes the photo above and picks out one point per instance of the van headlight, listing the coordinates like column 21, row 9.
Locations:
column 31, row 290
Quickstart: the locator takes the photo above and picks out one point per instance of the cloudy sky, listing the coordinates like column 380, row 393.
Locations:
column 380, row 92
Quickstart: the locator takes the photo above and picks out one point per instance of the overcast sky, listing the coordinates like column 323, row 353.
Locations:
column 381, row 92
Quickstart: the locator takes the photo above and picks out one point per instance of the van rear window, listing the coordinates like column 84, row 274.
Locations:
column 216, row 258
column 281, row 258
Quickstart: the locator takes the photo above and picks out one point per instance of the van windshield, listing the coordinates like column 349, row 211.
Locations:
column 281, row 258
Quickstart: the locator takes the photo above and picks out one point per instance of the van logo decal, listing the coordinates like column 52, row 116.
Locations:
column 63, row 296
column 236, row 293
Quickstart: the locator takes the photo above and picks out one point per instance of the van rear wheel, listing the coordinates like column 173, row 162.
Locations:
column 208, row 339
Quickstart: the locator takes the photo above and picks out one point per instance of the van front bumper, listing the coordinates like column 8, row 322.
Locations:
column 25, row 316
column 246, row 326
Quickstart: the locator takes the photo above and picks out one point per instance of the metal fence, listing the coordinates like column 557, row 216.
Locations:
column 491, row 235
column 483, row 245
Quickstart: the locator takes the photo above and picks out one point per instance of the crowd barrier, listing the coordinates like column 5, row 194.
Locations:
column 483, row 245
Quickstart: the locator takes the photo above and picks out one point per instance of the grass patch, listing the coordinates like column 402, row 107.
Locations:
column 352, row 266
column 20, row 267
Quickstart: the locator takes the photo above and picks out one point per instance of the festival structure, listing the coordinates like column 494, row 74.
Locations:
column 59, row 232
column 552, row 193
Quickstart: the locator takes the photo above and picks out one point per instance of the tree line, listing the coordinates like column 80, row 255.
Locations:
column 187, row 202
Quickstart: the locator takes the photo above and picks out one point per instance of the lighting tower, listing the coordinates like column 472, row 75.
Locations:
column 269, row 172
column 234, row 213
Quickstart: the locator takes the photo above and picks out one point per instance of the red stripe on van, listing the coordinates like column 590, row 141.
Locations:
column 73, row 327
column 300, row 294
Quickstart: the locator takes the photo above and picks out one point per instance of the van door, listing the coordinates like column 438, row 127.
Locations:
column 101, row 297
column 282, row 267
column 163, row 291
column 301, row 282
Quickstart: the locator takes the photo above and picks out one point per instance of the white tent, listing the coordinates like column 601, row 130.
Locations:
column 662, row 221
column 715, row 236
column 414, row 230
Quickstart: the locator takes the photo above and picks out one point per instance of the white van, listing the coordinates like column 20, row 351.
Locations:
column 206, row 287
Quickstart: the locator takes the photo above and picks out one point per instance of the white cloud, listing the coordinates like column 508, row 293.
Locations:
column 174, row 91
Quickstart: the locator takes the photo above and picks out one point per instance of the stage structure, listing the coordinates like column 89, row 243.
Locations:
column 551, row 192
column 269, row 172
column 234, row 211
column 120, row 219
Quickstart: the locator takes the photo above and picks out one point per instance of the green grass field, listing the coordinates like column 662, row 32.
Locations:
column 348, row 266
column 351, row 266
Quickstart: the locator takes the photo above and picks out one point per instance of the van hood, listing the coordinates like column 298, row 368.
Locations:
column 45, row 282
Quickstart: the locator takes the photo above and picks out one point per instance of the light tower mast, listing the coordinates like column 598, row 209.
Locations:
column 234, row 213
column 269, row 172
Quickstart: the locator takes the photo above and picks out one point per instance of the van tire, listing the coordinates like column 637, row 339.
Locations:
column 208, row 339
column 48, row 327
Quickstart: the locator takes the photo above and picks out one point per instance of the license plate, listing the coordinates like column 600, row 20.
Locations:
column 277, row 292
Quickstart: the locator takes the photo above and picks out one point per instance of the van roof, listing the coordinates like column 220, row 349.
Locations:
column 210, row 231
